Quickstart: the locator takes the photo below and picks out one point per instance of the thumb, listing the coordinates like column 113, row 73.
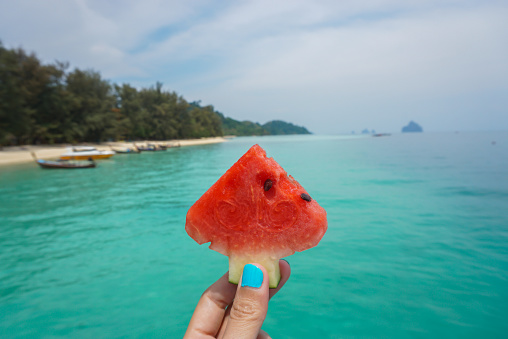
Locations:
column 250, row 305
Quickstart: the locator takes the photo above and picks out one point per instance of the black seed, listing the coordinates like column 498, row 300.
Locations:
column 305, row 197
column 268, row 185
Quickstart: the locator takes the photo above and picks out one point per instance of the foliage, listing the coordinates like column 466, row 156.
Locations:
column 31, row 95
column 277, row 127
column 240, row 128
column 246, row 128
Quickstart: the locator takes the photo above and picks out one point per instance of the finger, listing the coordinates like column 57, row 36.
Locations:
column 285, row 272
column 250, row 305
column 209, row 312
column 263, row 335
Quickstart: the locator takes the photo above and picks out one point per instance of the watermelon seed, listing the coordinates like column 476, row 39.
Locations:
column 268, row 185
column 305, row 197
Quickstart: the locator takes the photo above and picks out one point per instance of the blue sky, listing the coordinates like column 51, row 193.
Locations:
column 332, row 66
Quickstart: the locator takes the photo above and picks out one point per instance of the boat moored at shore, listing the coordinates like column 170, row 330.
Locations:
column 126, row 150
column 66, row 164
column 85, row 153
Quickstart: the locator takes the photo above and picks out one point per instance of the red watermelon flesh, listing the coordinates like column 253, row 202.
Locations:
column 255, row 212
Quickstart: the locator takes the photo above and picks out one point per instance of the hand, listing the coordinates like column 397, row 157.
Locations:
column 226, row 310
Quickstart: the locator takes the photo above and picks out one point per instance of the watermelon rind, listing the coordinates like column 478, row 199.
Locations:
column 237, row 263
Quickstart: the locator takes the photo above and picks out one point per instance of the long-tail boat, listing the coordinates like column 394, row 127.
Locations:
column 150, row 148
column 68, row 164
column 126, row 150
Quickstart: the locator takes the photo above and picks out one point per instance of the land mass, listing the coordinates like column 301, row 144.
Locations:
column 47, row 104
column 412, row 127
column 245, row 128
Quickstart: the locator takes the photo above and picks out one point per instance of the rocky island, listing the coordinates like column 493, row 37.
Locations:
column 412, row 127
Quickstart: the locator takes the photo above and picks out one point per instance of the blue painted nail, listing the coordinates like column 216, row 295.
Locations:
column 252, row 276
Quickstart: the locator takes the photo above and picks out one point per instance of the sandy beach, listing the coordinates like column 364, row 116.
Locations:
column 22, row 154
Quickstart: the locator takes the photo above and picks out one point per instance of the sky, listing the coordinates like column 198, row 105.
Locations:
column 331, row 66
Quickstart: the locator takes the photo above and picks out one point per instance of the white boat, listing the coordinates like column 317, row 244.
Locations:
column 85, row 153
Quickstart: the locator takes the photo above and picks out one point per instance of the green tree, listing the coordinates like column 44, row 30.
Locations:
column 16, row 111
column 91, row 104
column 130, row 122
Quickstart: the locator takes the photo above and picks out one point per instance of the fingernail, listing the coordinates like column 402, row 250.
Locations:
column 286, row 261
column 252, row 276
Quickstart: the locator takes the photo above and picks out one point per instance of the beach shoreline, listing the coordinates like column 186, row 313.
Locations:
column 22, row 154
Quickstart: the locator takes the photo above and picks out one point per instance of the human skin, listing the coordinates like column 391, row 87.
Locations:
column 226, row 310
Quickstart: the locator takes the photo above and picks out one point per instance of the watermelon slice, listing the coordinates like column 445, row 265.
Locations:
column 257, row 213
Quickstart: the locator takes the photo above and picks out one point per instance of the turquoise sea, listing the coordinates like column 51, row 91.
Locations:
column 417, row 245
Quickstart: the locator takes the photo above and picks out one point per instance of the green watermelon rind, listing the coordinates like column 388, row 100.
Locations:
column 237, row 263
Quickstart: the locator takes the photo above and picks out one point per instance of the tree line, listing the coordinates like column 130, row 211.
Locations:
column 47, row 104
column 274, row 127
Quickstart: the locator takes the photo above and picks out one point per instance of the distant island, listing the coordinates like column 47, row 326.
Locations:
column 412, row 127
column 231, row 126
column 278, row 127
column 48, row 104
column 245, row 128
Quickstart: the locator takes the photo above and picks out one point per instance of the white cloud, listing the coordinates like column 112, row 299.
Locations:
column 318, row 63
column 372, row 69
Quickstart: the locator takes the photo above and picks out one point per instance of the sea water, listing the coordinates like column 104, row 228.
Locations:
column 417, row 241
